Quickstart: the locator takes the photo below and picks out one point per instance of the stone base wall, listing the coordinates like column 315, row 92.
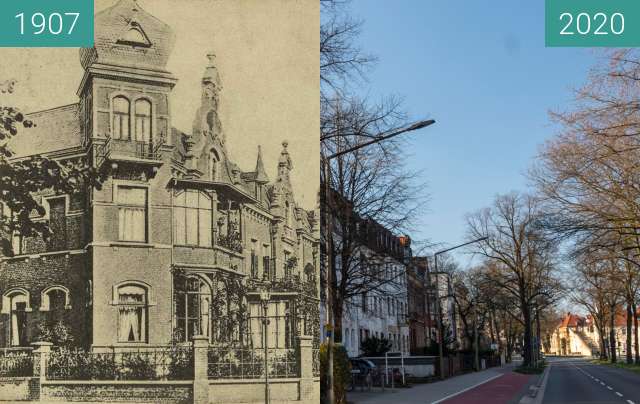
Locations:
column 252, row 391
column 140, row 392
column 15, row 389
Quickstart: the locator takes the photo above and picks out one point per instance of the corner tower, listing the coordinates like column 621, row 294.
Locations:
column 124, row 93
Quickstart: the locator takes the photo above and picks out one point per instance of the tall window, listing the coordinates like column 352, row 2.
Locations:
column 132, row 313
column 192, row 215
column 143, row 121
column 132, row 213
column 193, row 308
column 16, row 304
column 254, row 260
column 213, row 165
column 121, row 113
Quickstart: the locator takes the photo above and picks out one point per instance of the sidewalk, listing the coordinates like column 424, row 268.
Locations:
column 429, row 392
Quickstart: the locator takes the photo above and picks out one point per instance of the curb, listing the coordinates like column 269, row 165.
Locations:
column 536, row 392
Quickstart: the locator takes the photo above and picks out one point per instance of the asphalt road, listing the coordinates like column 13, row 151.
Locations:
column 578, row 381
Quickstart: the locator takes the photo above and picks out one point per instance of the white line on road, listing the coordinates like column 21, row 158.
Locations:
column 630, row 402
column 602, row 383
column 619, row 394
column 610, row 388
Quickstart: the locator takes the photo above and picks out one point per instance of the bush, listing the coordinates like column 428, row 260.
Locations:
column 341, row 372
column 374, row 346
column 529, row 370
column 137, row 366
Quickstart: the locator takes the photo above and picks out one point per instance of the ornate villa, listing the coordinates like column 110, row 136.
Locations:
column 179, row 240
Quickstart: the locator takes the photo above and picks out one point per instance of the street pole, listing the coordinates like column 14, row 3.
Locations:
column 438, row 312
column 265, row 296
column 329, row 240
column 476, row 355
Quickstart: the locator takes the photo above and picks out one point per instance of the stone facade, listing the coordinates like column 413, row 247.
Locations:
column 178, row 240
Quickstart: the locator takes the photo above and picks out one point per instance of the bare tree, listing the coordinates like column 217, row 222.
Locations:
column 524, row 258
column 371, row 191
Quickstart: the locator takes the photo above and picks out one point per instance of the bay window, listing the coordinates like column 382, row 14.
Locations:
column 192, row 218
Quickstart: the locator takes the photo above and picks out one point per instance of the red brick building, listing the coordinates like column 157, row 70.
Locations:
column 179, row 240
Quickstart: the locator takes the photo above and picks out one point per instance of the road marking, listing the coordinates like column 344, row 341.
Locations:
column 467, row 389
column 610, row 388
column 597, row 380
column 630, row 402
column 619, row 394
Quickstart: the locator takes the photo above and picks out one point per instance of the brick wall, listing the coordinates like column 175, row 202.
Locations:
column 151, row 392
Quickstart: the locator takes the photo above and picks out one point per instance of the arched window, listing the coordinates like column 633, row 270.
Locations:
column 143, row 120
column 132, row 301
column 192, row 217
column 193, row 307
column 16, row 303
column 214, row 161
column 121, row 114
column 287, row 213
column 55, row 298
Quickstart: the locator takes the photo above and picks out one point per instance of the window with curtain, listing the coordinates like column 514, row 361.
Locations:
column 121, row 113
column 192, row 216
column 132, row 313
column 143, row 121
column 193, row 308
column 132, row 213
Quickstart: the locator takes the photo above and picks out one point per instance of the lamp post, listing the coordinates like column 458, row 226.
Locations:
column 438, row 313
column 265, row 296
column 329, row 237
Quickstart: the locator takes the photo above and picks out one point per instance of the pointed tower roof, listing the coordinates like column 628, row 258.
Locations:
column 126, row 35
column 261, row 174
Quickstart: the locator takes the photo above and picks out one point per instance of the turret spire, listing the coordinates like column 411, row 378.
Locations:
column 261, row 174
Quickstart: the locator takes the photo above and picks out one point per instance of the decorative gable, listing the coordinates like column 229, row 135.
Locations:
column 134, row 35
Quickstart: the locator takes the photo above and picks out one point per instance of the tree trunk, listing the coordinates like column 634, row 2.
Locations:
column 526, row 348
column 629, row 325
column 539, row 344
column 635, row 333
column 612, row 335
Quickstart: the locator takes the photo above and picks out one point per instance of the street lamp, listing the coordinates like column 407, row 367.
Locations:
column 265, row 296
column 329, row 236
column 438, row 314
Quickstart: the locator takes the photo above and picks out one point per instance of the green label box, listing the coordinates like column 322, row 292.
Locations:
column 587, row 23
column 46, row 23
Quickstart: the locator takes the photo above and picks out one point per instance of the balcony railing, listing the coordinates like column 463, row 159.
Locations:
column 125, row 149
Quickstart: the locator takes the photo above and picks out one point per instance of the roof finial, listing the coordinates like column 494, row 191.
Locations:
column 212, row 58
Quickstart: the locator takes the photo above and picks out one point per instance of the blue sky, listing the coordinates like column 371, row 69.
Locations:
column 481, row 70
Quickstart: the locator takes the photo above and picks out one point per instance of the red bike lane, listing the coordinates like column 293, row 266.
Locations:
column 500, row 390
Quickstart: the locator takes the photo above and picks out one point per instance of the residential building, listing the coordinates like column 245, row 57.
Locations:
column 578, row 335
column 178, row 240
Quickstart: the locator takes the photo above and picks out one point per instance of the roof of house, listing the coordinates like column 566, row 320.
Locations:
column 55, row 129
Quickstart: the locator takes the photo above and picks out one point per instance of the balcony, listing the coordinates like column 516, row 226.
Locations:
column 216, row 257
column 129, row 151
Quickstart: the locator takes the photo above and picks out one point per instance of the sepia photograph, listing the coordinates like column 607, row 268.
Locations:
column 160, row 212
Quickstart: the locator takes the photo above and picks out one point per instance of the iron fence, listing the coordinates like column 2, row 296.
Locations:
column 167, row 363
column 249, row 363
column 16, row 362
column 316, row 362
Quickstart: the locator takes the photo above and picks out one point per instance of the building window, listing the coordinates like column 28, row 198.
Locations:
column 213, row 165
column 132, row 313
column 193, row 308
column 132, row 214
column 254, row 260
column 143, row 121
column 121, row 114
column 192, row 215
column 16, row 304
column 55, row 298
